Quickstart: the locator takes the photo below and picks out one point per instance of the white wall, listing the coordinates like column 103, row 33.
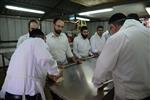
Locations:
column 12, row 27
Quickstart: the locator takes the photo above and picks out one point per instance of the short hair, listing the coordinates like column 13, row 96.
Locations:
column 33, row 20
column 36, row 33
column 133, row 16
column 56, row 19
column 118, row 18
column 99, row 27
column 83, row 28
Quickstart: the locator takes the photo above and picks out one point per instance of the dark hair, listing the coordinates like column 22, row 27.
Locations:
column 33, row 20
column 83, row 28
column 118, row 18
column 36, row 33
column 56, row 19
column 99, row 27
column 133, row 16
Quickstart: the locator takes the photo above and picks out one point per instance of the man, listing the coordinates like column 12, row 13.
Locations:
column 33, row 24
column 97, row 41
column 28, row 68
column 133, row 16
column 58, row 43
column 126, row 59
column 81, row 44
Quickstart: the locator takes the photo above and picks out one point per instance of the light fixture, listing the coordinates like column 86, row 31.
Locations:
column 96, row 11
column 24, row 9
column 80, row 18
column 148, row 10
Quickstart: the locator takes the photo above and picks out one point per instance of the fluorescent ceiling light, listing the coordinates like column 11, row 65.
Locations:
column 80, row 18
column 84, row 19
column 24, row 9
column 96, row 11
column 148, row 10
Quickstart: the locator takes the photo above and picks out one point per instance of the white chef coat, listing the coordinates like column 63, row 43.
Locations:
column 126, row 59
column 59, row 47
column 28, row 68
column 22, row 39
column 106, row 35
column 97, row 43
column 81, row 46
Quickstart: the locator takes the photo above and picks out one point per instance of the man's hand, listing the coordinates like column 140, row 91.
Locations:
column 54, row 78
column 96, row 54
column 79, row 61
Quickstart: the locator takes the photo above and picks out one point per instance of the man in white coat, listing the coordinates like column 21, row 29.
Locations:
column 97, row 41
column 126, row 59
column 58, row 44
column 28, row 69
column 81, row 44
column 33, row 24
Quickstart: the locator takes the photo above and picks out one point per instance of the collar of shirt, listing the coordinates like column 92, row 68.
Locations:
column 130, row 23
column 80, row 36
column 96, row 34
column 53, row 35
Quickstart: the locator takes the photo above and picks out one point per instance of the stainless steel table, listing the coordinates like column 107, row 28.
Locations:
column 77, row 84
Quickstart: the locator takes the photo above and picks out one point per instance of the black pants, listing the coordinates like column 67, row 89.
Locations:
column 9, row 96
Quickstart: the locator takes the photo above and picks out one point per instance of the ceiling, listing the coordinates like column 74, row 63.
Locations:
column 64, row 8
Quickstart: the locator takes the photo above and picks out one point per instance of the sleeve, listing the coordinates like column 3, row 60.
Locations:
column 93, row 47
column 106, row 62
column 44, row 58
column 75, row 48
column 20, row 40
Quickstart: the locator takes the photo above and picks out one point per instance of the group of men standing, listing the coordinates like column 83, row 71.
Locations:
column 124, row 57
column 59, row 46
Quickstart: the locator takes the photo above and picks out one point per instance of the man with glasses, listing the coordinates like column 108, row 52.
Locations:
column 33, row 24
column 81, row 44
column 58, row 43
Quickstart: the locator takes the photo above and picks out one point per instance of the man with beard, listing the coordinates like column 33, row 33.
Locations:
column 33, row 24
column 81, row 44
column 58, row 43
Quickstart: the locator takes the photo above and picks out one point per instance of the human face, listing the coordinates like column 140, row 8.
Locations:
column 58, row 27
column 100, row 31
column 114, row 28
column 33, row 25
column 85, row 33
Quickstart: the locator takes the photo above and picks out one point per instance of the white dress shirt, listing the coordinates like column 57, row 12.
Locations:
column 126, row 59
column 97, row 43
column 28, row 68
column 59, row 47
column 106, row 35
column 81, row 46
column 22, row 39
